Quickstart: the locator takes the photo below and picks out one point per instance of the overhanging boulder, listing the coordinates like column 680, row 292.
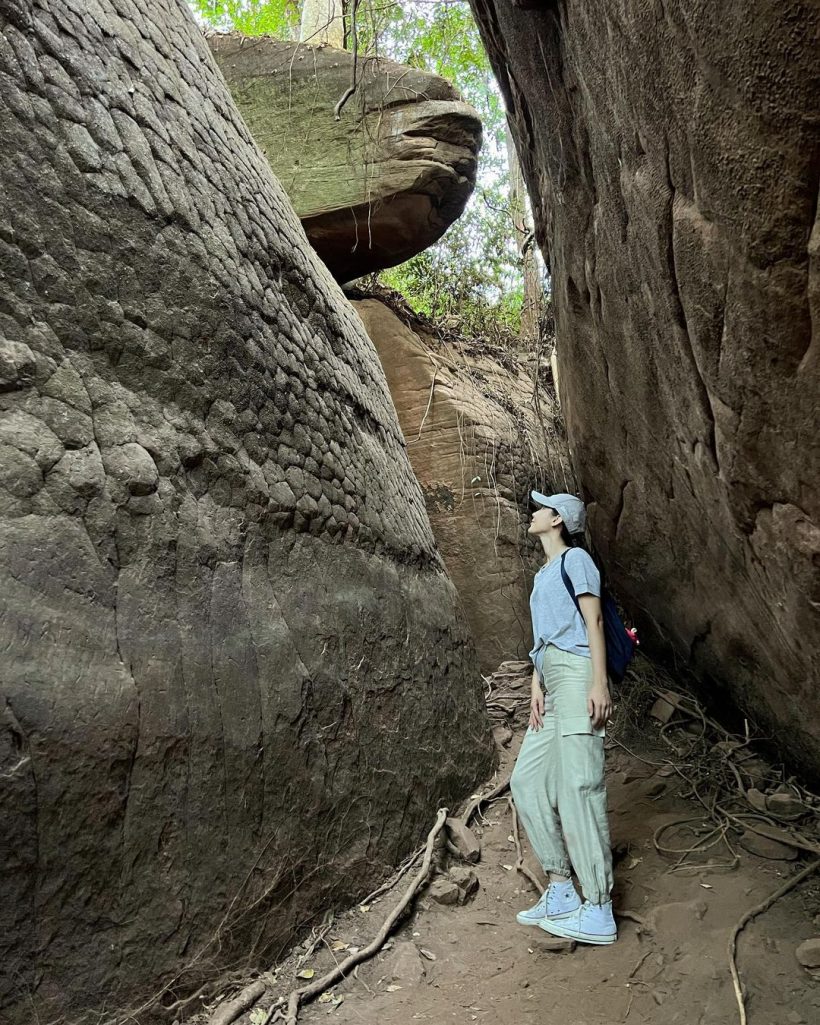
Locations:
column 376, row 186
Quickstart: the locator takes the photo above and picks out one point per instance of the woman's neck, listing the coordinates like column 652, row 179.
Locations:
column 553, row 545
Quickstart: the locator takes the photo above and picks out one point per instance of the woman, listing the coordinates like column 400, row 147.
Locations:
column 558, row 781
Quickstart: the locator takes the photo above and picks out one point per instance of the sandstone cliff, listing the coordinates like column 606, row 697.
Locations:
column 232, row 662
column 670, row 151
column 479, row 436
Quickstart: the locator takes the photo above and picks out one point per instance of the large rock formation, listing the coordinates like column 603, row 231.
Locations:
column 380, row 183
column 236, row 680
column 670, row 151
column 477, row 444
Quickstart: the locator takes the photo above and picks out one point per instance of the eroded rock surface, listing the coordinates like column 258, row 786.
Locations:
column 381, row 183
column 477, row 444
column 670, row 153
column 236, row 683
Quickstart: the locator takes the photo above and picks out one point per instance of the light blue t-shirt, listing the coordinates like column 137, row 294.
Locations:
column 555, row 619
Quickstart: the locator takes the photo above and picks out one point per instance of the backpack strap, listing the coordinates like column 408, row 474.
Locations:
column 569, row 587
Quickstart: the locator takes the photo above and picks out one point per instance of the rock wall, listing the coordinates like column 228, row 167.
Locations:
column 236, row 681
column 376, row 185
column 477, row 444
column 671, row 153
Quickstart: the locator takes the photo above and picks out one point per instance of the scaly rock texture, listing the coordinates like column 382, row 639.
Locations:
column 671, row 153
column 380, row 183
column 236, row 680
column 479, row 436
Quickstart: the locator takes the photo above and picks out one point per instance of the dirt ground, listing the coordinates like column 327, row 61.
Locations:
column 474, row 963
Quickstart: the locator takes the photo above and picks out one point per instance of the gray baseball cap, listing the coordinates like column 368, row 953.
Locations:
column 570, row 509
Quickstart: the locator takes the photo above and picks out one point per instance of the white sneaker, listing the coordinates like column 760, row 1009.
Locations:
column 591, row 923
column 555, row 903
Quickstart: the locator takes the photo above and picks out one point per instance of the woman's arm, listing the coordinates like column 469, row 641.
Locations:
column 600, row 702
column 536, row 703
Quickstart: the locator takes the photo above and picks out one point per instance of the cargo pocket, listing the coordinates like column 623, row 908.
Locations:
column 574, row 725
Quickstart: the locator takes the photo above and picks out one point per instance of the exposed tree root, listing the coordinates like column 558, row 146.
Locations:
column 519, row 863
column 744, row 921
column 244, row 1000
column 402, row 870
column 249, row 996
column 477, row 802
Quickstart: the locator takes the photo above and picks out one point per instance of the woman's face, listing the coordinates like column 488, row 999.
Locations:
column 544, row 520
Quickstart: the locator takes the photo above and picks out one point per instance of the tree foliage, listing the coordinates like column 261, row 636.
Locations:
column 279, row 18
column 474, row 273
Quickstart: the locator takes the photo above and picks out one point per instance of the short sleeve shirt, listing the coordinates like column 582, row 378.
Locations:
column 555, row 619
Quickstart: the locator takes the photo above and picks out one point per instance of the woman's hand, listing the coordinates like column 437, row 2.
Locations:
column 536, row 704
column 599, row 705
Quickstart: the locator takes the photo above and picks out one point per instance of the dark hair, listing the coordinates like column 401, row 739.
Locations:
column 570, row 540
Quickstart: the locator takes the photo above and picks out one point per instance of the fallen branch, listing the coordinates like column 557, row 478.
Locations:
column 307, row 993
column 744, row 921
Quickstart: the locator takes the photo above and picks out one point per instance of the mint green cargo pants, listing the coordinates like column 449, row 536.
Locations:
column 558, row 780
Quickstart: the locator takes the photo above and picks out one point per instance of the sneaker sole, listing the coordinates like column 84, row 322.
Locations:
column 537, row 921
column 551, row 926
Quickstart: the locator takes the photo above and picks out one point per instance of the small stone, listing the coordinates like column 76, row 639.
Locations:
column 463, row 839
column 808, row 953
column 619, row 851
column 756, row 769
column 465, row 880
column 636, row 772
column 757, row 799
column 662, row 710
column 502, row 735
column 786, row 806
column 405, row 964
column 553, row 944
column 444, row 891
column 764, row 847
column 795, row 1018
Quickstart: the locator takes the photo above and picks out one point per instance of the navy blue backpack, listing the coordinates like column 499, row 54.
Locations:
column 620, row 642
